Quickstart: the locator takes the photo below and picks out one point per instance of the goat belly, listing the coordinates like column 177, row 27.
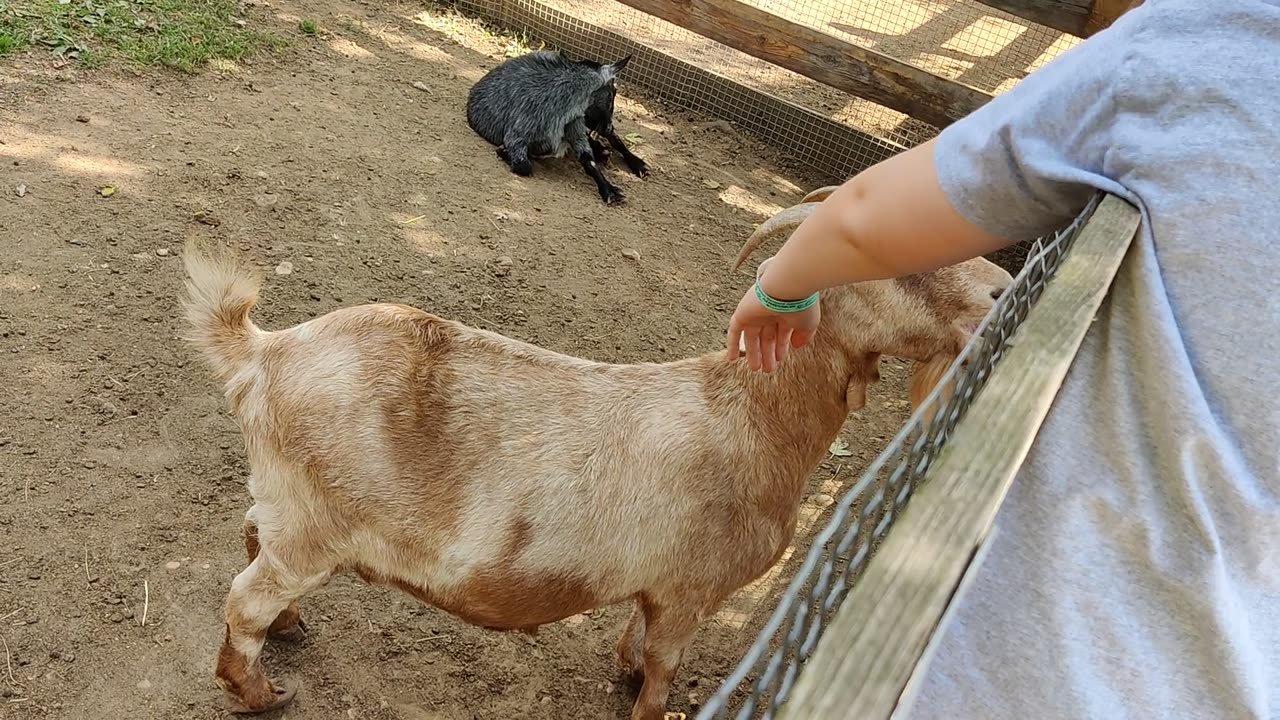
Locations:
column 549, row 149
column 500, row 598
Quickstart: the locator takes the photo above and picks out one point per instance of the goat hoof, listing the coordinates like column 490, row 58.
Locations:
column 282, row 697
column 613, row 197
column 640, row 169
column 523, row 169
column 293, row 634
column 631, row 675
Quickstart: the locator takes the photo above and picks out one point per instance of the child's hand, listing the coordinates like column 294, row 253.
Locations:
column 768, row 335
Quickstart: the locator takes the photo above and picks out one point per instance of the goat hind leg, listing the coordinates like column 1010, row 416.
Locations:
column 288, row 625
column 667, row 632
column 514, row 151
column 258, row 595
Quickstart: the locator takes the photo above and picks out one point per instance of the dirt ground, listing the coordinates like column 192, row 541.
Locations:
column 121, row 474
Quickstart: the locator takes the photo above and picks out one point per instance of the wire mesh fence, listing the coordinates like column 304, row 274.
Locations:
column 822, row 127
column 864, row 513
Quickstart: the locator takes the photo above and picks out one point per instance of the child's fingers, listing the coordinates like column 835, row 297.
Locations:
column 768, row 347
column 784, row 344
column 753, row 348
column 733, row 340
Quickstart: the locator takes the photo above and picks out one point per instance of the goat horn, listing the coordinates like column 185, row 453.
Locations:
column 783, row 222
column 817, row 196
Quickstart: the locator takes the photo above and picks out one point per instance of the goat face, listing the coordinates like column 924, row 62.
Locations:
column 916, row 317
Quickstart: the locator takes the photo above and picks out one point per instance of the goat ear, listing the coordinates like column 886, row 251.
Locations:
column 610, row 71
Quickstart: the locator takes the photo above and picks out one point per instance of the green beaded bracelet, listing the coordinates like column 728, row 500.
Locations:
column 784, row 306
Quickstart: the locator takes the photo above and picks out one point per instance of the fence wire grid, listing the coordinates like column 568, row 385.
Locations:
column 824, row 128
column 860, row 518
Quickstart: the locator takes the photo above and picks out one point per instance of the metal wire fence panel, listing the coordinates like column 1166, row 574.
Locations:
column 827, row 129
column 866, row 511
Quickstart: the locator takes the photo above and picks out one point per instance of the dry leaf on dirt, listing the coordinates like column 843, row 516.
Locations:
column 840, row 448
column 107, row 190
column 635, row 138
column 711, row 183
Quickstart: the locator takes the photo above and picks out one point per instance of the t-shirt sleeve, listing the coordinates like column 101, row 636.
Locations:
column 1028, row 161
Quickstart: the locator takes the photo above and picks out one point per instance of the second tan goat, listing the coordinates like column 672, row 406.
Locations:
column 514, row 486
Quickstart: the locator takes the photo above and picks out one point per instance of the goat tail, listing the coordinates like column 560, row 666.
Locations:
column 220, row 294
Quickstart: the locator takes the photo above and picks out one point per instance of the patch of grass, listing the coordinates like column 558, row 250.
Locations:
column 308, row 27
column 180, row 34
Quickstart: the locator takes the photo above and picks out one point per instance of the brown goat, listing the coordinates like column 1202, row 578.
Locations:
column 515, row 486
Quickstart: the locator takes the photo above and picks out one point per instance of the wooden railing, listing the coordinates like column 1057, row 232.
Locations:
column 860, row 71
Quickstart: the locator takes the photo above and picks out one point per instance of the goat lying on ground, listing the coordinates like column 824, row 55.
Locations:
column 514, row 486
column 542, row 105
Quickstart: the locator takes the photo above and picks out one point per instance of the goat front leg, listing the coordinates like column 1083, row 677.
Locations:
column 598, row 150
column 576, row 135
column 634, row 164
column 630, row 647
column 667, row 631
column 288, row 625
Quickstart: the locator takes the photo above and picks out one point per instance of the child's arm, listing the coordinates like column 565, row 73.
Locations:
column 890, row 220
column 1014, row 169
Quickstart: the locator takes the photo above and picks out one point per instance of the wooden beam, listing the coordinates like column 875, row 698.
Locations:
column 1068, row 16
column 1105, row 12
column 822, row 57
column 863, row 666
column 1081, row 18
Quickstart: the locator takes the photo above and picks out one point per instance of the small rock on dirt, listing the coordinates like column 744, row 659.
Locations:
column 144, row 684
column 631, row 254
column 162, row 252
column 502, row 266
column 823, row 500
column 172, row 565
column 82, row 118
column 20, row 191
column 284, row 268
column 575, row 619
column 421, row 86
column 266, row 199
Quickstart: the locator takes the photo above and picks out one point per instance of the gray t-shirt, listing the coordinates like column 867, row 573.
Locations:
column 1136, row 573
